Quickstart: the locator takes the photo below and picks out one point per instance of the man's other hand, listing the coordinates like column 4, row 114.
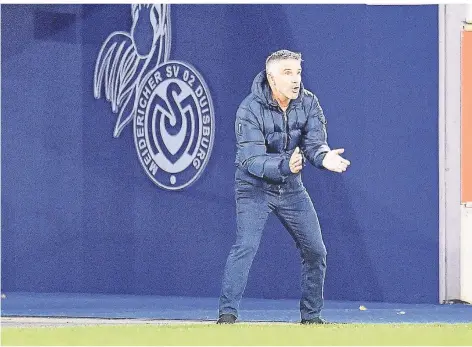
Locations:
column 334, row 162
column 296, row 161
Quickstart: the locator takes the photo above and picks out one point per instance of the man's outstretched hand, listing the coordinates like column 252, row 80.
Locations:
column 334, row 162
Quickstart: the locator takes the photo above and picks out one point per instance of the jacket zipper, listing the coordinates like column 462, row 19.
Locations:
column 285, row 130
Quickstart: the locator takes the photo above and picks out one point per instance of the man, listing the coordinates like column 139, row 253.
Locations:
column 278, row 126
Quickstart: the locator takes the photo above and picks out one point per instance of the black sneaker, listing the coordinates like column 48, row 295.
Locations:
column 226, row 318
column 316, row 320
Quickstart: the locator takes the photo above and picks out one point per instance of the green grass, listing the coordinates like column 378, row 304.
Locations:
column 242, row 334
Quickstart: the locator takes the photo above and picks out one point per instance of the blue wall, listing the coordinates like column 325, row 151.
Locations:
column 80, row 215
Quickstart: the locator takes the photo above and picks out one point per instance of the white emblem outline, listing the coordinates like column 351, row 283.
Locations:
column 212, row 132
column 120, row 82
column 123, row 67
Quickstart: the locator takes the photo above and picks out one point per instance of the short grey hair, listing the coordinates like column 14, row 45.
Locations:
column 282, row 54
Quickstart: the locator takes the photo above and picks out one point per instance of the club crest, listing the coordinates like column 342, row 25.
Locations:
column 167, row 100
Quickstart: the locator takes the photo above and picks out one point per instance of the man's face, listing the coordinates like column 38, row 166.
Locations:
column 286, row 76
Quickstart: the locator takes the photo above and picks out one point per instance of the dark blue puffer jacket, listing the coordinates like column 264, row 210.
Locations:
column 266, row 137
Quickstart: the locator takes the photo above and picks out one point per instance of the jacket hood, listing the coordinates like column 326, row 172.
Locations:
column 261, row 89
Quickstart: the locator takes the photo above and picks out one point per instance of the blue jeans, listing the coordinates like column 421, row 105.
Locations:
column 295, row 210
